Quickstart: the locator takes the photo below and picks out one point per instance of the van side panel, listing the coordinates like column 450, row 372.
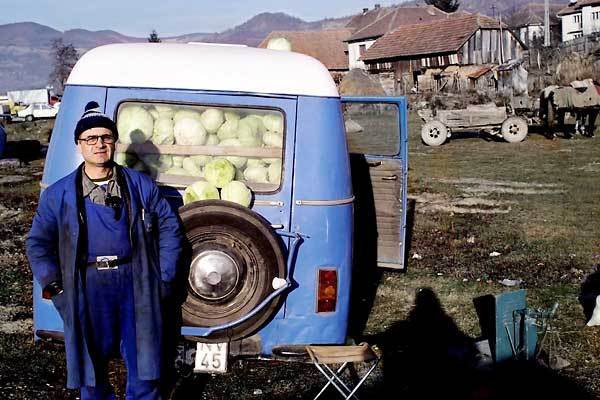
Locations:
column 321, row 172
column 61, row 160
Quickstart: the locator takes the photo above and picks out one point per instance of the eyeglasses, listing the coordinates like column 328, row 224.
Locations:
column 92, row 140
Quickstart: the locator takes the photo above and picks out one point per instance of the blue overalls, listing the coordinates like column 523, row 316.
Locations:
column 110, row 304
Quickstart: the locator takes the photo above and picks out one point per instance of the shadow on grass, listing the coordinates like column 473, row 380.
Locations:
column 427, row 356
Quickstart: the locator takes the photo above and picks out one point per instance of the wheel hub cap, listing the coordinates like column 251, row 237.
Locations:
column 213, row 274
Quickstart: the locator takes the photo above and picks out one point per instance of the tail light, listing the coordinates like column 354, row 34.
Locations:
column 327, row 290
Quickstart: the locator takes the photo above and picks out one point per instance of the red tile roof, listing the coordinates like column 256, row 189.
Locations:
column 361, row 20
column 445, row 36
column 396, row 17
column 326, row 46
column 573, row 8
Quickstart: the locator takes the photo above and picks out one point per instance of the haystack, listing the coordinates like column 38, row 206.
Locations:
column 357, row 82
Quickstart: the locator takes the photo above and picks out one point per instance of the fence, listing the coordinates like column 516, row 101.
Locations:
column 582, row 45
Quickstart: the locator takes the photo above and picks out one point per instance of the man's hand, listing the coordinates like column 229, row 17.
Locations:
column 52, row 289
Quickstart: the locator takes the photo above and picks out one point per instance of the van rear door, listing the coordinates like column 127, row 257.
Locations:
column 376, row 130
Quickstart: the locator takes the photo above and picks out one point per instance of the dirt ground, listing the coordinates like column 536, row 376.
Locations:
column 483, row 211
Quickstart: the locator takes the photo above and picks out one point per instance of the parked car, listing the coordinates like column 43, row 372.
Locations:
column 37, row 111
column 283, row 265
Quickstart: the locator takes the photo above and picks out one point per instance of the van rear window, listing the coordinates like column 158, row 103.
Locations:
column 173, row 143
column 372, row 128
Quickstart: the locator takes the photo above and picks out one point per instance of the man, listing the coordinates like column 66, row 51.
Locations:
column 104, row 246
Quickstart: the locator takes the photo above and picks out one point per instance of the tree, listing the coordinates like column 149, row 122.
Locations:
column 65, row 56
column 153, row 38
column 448, row 6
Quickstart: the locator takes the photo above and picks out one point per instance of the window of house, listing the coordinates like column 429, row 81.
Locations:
column 362, row 49
column 577, row 18
column 596, row 15
column 173, row 143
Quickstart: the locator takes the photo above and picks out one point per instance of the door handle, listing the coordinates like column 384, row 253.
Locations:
column 390, row 178
column 374, row 164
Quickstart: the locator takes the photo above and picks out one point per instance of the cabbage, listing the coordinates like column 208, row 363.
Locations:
column 164, row 111
column 249, row 123
column 177, row 171
column 260, row 126
column 212, row 140
column 256, row 174
column 273, row 122
column 200, row 190
column 126, row 159
column 185, row 113
column 274, row 172
column 219, row 172
column 156, row 162
column 191, row 167
column 239, row 175
column 178, row 161
column 237, row 192
column 212, row 119
column 201, row 161
column 279, row 43
column 135, row 125
column 231, row 116
column 228, row 130
column 189, row 131
column 273, row 139
column 140, row 166
column 256, row 162
column 154, row 113
column 239, row 162
column 247, row 136
column 163, row 131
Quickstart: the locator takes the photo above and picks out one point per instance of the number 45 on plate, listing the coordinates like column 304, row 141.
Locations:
column 211, row 357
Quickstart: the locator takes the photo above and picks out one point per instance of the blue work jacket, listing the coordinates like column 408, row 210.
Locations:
column 57, row 247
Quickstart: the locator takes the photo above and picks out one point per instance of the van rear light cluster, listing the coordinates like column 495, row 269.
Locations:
column 327, row 290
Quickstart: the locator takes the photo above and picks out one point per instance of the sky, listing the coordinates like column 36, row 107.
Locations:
column 169, row 17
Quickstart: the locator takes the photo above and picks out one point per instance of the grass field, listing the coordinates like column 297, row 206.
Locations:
column 535, row 203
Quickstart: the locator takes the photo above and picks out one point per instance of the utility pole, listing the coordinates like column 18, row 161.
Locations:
column 547, row 23
column 493, row 11
column 501, row 40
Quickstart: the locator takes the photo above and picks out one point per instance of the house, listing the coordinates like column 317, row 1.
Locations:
column 580, row 18
column 372, row 25
column 461, row 41
column 326, row 46
column 528, row 23
column 367, row 17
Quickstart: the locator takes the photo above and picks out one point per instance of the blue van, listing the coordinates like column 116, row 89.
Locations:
column 275, row 276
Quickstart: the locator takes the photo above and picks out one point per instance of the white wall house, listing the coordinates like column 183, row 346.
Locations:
column 356, row 50
column 529, row 33
column 373, row 24
column 580, row 18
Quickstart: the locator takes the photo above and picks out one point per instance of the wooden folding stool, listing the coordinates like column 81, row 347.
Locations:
column 324, row 357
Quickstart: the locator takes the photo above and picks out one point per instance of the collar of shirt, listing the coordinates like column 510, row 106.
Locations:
column 96, row 193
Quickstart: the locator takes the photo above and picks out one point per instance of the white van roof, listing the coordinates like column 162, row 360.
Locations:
column 202, row 66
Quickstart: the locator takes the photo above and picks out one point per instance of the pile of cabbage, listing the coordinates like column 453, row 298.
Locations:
column 167, row 125
column 219, row 174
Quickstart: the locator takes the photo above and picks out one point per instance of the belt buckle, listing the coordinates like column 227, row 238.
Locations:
column 106, row 260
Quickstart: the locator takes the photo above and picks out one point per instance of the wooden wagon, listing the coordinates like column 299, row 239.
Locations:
column 487, row 118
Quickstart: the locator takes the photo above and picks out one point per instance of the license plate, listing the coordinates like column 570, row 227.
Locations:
column 211, row 357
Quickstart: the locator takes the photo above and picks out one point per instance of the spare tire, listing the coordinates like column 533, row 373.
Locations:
column 235, row 257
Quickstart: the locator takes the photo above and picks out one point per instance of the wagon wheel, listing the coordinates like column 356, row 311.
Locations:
column 514, row 129
column 235, row 257
column 434, row 133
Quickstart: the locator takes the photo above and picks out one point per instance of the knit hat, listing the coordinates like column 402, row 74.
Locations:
column 94, row 118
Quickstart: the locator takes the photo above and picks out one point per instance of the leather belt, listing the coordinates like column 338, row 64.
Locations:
column 109, row 264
